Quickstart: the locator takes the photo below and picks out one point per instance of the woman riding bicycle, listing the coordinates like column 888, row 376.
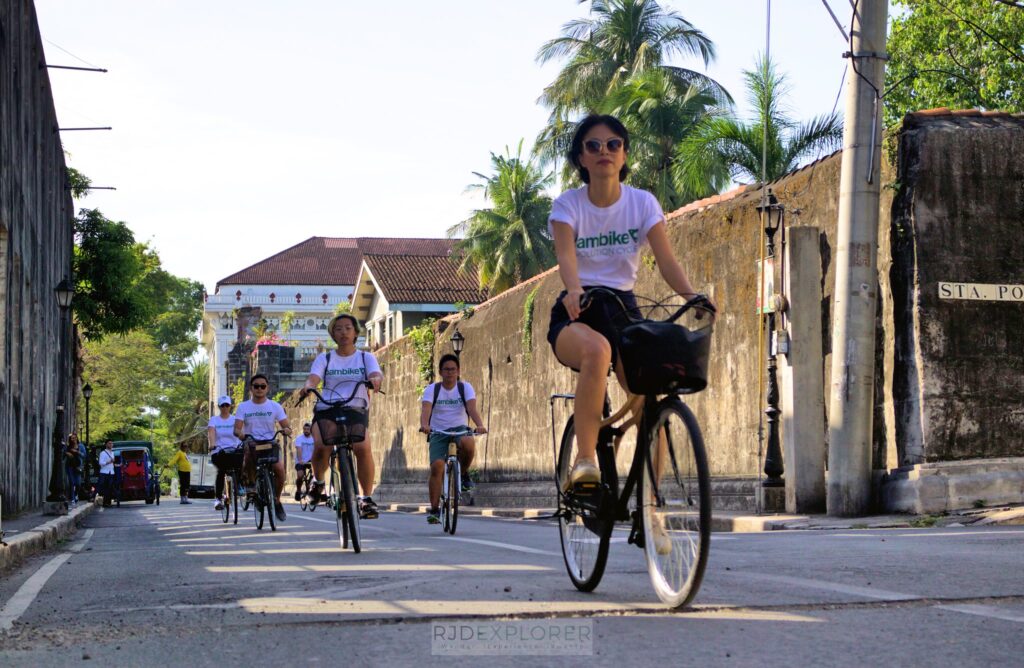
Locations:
column 599, row 230
column 224, row 446
column 447, row 406
column 338, row 370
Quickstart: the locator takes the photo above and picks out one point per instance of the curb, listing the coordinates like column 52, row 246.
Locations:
column 42, row 537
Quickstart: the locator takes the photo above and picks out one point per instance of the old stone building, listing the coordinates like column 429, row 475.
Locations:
column 36, row 241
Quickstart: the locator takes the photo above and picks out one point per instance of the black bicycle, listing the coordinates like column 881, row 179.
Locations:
column 303, row 486
column 451, row 481
column 667, row 493
column 266, row 452
column 341, row 425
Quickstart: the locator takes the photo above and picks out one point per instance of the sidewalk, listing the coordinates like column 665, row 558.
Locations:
column 32, row 532
column 731, row 521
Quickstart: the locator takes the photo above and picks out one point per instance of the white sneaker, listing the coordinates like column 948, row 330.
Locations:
column 218, row 504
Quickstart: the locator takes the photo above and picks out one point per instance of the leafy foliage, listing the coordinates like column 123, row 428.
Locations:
column 527, row 324
column 723, row 148
column 423, row 337
column 509, row 242
column 957, row 54
column 78, row 182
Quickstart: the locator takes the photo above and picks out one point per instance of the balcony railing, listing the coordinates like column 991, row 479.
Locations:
column 311, row 301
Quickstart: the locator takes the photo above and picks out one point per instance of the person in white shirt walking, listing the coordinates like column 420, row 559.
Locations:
column 106, row 460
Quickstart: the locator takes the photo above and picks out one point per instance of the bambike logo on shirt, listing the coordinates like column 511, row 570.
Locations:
column 266, row 413
column 449, row 402
column 611, row 243
column 358, row 371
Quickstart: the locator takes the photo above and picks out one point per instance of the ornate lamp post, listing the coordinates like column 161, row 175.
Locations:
column 87, row 393
column 458, row 342
column 772, row 214
column 56, row 500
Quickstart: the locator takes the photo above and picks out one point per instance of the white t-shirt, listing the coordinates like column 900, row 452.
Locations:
column 609, row 239
column 224, row 428
column 259, row 419
column 340, row 372
column 305, row 446
column 107, row 461
column 449, row 412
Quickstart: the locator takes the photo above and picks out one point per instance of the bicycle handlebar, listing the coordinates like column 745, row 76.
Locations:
column 342, row 402
column 697, row 301
column 250, row 440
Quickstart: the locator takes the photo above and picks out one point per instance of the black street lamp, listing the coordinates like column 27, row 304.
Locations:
column 64, row 291
column 87, row 393
column 458, row 342
column 772, row 214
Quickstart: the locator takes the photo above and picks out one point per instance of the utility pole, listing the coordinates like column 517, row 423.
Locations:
column 853, row 327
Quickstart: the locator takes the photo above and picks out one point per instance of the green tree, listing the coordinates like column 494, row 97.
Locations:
column 957, row 54
column 184, row 405
column 78, row 183
column 621, row 40
column 509, row 242
column 722, row 147
column 659, row 114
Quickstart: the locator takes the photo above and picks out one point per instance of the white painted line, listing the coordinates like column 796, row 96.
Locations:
column 506, row 546
column 985, row 611
column 853, row 590
column 26, row 594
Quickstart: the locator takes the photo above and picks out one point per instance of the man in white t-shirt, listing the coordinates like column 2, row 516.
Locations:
column 257, row 419
column 303, row 458
column 448, row 405
column 225, row 452
column 106, row 483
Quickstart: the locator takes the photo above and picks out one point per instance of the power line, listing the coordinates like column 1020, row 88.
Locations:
column 73, row 55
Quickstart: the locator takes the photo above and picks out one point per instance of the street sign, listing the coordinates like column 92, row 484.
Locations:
column 996, row 292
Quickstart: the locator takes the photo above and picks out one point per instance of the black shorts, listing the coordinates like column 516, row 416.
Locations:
column 226, row 460
column 605, row 315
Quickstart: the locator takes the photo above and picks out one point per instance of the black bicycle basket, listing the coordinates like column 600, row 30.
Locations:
column 339, row 424
column 266, row 452
column 664, row 358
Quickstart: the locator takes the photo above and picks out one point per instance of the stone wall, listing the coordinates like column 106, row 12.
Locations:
column 36, row 214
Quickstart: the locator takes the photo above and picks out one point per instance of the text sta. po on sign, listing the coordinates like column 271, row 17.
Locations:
column 997, row 292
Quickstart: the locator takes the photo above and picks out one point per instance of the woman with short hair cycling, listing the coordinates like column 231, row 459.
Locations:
column 599, row 230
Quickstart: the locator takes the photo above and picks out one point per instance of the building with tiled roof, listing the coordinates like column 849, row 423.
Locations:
column 299, row 290
column 396, row 292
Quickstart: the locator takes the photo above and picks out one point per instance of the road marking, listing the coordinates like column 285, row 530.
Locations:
column 362, row 525
column 27, row 593
column 985, row 611
column 853, row 590
column 506, row 546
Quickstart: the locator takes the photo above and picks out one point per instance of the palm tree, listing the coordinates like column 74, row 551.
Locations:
column 187, row 401
column 723, row 148
column 623, row 39
column 508, row 243
column 659, row 114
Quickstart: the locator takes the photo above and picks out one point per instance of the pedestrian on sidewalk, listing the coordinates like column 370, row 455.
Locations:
column 73, row 467
column 106, row 462
column 184, row 466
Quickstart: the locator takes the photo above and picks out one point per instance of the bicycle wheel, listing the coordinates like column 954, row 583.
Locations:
column 348, row 486
column 676, row 499
column 302, row 488
column 584, row 532
column 234, row 495
column 267, row 492
column 225, row 512
column 257, row 502
column 452, row 507
column 335, row 502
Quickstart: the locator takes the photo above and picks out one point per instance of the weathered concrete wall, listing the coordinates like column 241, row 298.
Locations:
column 959, row 363
column 35, row 254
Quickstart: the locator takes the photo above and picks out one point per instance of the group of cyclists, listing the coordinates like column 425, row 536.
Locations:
column 599, row 230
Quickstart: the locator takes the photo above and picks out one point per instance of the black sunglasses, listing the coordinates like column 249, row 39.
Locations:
column 614, row 145
column 259, row 387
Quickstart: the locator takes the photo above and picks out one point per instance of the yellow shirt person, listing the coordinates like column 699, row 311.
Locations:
column 181, row 461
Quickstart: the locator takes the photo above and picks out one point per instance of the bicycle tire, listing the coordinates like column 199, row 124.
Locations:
column 301, row 484
column 334, row 502
column 270, row 498
column 257, row 504
column 225, row 512
column 454, row 489
column 234, row 495
column 351, row 505
column 443, row 507
column 584, row 535
column 675, row 495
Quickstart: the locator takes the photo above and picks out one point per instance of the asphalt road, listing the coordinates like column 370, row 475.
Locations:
column 145, row 585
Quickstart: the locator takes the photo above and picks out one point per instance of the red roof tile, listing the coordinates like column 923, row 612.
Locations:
column 423, row 279
column 330, row 260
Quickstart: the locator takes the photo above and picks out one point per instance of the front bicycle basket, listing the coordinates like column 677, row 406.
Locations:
column 341, row 424
column 664, row 358
column 266, row 452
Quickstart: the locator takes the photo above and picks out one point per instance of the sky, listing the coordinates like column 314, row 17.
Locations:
column 241, row 128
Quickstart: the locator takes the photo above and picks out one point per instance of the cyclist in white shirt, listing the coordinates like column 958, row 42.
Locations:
column 225, row 450
column 447, row 406
column 256, row 419
column 339, row 370
column 303, row 456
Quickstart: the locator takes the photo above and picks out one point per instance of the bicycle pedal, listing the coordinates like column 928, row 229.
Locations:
column 586, row 488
